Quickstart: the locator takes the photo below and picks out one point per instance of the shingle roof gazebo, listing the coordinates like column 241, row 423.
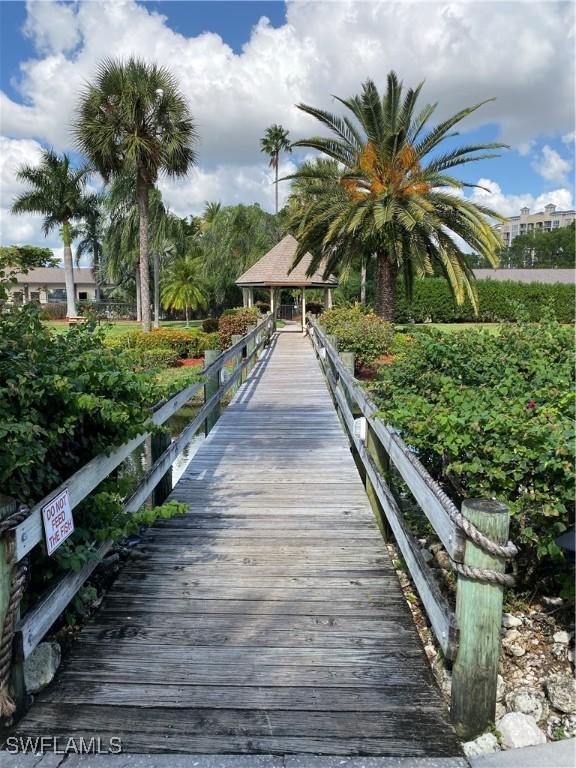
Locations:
column 273, row 272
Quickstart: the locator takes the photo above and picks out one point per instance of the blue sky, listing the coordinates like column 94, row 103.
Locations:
column 242, row 72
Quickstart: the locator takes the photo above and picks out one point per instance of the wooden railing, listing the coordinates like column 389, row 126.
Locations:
column 218, row 379
column 469, row 636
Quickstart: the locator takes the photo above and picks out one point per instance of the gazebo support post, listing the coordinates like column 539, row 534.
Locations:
column 328, row 298
column 248, row 297
column 304, row 311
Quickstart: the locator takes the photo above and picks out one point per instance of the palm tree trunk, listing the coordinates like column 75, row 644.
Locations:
column 142, row 193
column 363, row 281
column 69, row 271
column 138, row 297
column 276, row 185
column 186, row 314
column 385, row 299
column 156, row 290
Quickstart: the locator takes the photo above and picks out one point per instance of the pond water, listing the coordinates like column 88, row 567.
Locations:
column 138, row 463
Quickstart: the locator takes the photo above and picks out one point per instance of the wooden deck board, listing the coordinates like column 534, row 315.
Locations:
column 269, row 619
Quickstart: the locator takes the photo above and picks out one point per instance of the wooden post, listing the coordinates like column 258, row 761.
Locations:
column 348, row 360
column 304, row 311
column 236, row 361
column 211, row 386
column 381, row 460
column 479, row 617
column 250, row 347
column 8, row 506
column 161, row 441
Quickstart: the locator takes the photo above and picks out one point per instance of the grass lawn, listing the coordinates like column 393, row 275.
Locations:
column 119, row 328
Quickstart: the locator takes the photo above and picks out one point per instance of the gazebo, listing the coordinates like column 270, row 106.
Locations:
column 274, row 272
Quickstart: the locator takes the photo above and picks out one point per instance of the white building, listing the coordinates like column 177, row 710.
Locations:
column 547, row 220
column 46, row 285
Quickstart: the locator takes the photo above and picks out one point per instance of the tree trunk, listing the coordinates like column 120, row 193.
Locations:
column 156, row 290
column 69, row 271
column 385, row 299
column 142, row 193
column 186, row 314
column 363, row 281
column 276, row 185
column 138, row 297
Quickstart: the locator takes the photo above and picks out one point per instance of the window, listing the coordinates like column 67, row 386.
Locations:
column 555, row 224
column 82, row 296
column 56, row 294
column 35, row 297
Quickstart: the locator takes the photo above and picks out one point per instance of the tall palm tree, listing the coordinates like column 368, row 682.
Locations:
column 275, row 141
column 91, row 233
column 389, row 192
column 134, row 120
column 57, row 192
column 182, row 286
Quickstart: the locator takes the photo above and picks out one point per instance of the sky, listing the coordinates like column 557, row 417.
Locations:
column 245, row 65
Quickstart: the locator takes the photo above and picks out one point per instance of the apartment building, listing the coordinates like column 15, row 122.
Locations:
column 546, row 220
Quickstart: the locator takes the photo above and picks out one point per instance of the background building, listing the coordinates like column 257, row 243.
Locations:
column 46, row 285
column 545, row 220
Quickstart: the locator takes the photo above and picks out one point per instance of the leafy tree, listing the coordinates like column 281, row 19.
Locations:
column 182, row 283
column 20, row 259
column 57, row 192
column 390, row 193
column 539, row 248
column 133, row 120
column 275, row 141
column 237, row 237
column 91, row 233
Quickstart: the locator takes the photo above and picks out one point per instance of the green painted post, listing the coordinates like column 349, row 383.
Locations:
column 160, row 442
column 479, row 617
column 236, row 361
column 211, row 386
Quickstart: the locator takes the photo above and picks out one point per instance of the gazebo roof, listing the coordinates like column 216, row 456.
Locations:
column 273, row 270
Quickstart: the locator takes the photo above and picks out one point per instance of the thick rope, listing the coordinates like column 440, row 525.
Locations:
column 484, row 575
column 17, row 587
column 14, row 519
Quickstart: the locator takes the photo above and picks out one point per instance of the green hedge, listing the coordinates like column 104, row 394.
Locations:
column 359, row 331
column 432, row 301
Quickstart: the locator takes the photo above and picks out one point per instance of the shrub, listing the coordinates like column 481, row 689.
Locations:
column 178, row 339
column 160, row 357
column 263, row 306
column 64, row 398
column 236, row 321
column 56, row 311
column 210, row 325
column 491, row 416
column 314, row 307
column 432, row 301
column 203, row 341
column 359, row 331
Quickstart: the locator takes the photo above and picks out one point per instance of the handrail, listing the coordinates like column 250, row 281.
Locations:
column 34, row 625
column 476, row 540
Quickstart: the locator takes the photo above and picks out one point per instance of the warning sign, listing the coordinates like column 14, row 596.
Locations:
column 58, row 522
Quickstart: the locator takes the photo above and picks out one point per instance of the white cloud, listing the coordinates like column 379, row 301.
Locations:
column 493, row 197
column 466, row 52
column 551, row 166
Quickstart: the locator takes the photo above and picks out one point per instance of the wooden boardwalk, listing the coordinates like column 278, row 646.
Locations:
column 269, row 619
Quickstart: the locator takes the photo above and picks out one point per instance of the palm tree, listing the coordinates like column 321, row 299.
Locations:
column 182, row 285
column 133, row 120
column 389, row 192
column 274, row 142
column 91, row 233
column 57, row 193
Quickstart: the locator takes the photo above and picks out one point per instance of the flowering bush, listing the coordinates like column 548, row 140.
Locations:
column 359, row 331
column 492, row 416
column 236, row 321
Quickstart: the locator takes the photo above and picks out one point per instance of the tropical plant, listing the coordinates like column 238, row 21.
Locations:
column 91, row 233
column 57, row 192
column 182, row 283
column 389, row 193
column 275, row 141
column 133, row 120
column 236, row 238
